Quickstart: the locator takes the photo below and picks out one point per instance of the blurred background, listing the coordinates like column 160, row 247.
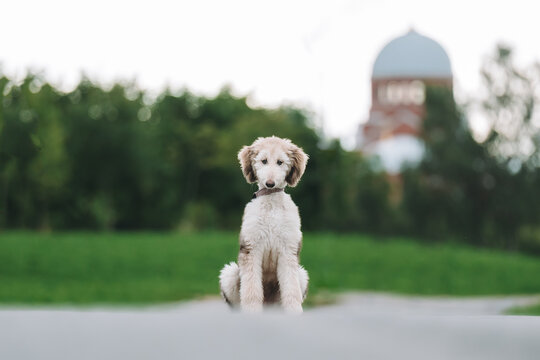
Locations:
column 120, row 123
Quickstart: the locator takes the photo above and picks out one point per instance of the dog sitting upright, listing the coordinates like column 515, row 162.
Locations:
column 268, row 271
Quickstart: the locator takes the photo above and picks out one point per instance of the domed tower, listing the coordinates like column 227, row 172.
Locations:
column 402, row 70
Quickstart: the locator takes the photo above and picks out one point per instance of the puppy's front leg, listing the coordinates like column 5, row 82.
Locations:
column 287, row 271
column 251, row 287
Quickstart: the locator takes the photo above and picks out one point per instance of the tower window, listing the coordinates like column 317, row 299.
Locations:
column 401, row 92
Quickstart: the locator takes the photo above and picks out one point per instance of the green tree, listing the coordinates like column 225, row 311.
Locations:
column 446, row 196
column 460, row 189
column 511, row 105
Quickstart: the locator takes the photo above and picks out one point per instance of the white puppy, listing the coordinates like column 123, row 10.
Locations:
column 270, row 238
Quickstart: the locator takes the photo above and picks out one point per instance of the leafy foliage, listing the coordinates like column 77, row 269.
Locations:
column 511, row 103
column 110, row 158
column 98, row 158
column 461, row 190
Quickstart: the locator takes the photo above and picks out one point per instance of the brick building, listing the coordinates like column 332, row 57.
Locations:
column 402, row 70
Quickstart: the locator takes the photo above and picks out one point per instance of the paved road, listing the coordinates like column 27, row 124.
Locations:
column 362, row 326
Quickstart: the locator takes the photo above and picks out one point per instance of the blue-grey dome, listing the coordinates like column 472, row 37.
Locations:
column 412, row 55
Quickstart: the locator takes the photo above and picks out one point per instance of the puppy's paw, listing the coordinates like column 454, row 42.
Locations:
column 293, row 308
column 252, row 308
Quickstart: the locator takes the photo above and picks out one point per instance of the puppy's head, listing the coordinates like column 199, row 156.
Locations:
column 272, row 162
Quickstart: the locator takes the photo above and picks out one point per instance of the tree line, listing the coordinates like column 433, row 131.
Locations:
column 114, row 159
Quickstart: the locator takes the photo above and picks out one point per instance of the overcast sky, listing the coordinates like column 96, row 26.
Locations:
column 316, row 54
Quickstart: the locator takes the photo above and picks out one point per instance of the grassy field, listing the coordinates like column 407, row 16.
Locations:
column 89, row 268
column 525, row 310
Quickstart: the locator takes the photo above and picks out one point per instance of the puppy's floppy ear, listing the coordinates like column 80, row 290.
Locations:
column 246, row 156
column 298, row 164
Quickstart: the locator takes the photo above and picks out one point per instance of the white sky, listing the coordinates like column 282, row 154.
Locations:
column 317, row 54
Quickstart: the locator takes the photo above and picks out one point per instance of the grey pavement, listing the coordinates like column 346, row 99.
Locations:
column 360, row 326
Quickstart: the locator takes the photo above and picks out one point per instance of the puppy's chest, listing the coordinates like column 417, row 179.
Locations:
column 271, row 224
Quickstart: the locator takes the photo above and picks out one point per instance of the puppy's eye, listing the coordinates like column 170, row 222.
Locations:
column 264, row 161
column 279, row 162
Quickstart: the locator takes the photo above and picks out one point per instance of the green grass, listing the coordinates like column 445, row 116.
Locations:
column 525, row 310
column 139, row 268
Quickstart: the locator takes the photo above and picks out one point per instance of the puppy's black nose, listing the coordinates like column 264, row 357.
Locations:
column 270, row 184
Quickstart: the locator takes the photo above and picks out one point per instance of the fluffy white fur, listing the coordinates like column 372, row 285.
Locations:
column 268, row 269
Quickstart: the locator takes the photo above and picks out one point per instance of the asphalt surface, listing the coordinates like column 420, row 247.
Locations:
column 361, row 326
